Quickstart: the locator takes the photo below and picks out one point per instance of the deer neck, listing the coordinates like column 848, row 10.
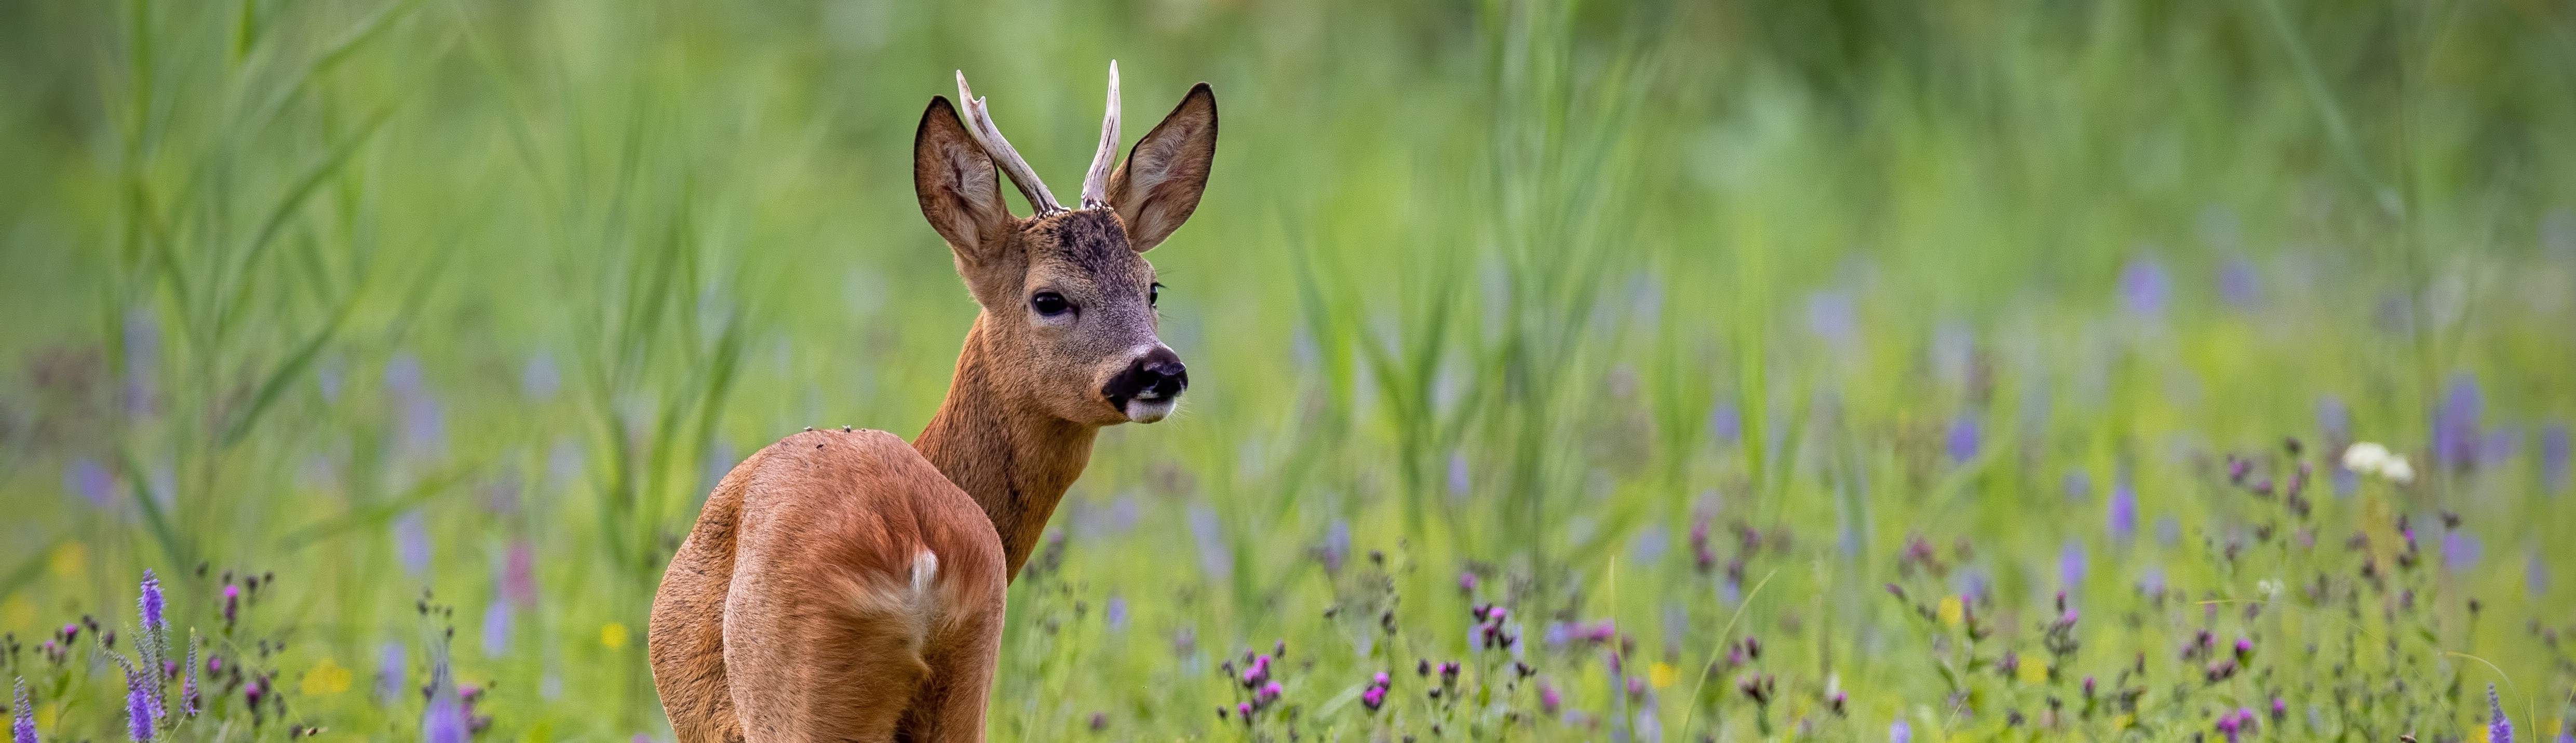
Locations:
column 1014, row 461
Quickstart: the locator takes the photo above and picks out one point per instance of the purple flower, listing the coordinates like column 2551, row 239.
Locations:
column 22, row 725
column 1899, row 732
column 496, row 629
column 2071, row 564
column 2455, row 421
column 1963, row 437
column 232, row 604
column 2553, row 458
column 2237, row 285
column 93, row 483
column 1459, row 477
column 1832, row 316
column 1726, row 424
column 2233, row 724
column 1113, row 613
column 411, row 542
column 1215, row 559
column 1549, row 700
column 444, row 721
column 393, row 665
column 1467, row 582
column 152, row 604
column 138, row 705
column 2501, row 730
column 540, row 379
column 2144, row 287
column 1335, row 547
column 1374, row 698
column 2460, row 550
column 2124, row 510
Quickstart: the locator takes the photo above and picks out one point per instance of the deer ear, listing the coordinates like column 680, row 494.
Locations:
column 1159, row 186
column 954, row 180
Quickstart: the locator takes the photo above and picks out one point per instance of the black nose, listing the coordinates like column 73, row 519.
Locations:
column 1157, row 374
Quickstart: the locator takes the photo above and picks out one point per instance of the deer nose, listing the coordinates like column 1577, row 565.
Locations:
column 1154, row 375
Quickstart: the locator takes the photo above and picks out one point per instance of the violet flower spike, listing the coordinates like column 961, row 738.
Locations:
column 152, row 603
column 138, row 706
column 22, row 724
column 2501, row 730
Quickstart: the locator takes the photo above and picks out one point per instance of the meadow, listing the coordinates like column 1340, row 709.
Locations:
column 1736, row 370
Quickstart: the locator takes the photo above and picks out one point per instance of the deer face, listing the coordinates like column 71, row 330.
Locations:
column 1068, row 319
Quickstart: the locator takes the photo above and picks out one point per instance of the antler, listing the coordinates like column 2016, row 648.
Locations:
column 979, row 122
column 1095, row 184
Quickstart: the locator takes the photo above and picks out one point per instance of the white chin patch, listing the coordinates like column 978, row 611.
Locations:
column 1148, row 411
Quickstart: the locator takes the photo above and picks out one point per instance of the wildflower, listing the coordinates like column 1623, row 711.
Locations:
column 2071, row 564
column 138, row 705
column 1375, row 696
column 188, row 703
column 2123, row 510
column 1837, row 701
column 1099, row 721
column 1549, row 700
column 2553, row 458
column 2501, row 730
column 1335, row 547
column 540, row 379
column 1467, row 582
column 2280, row 709
column 496, row 629
column 2460, row 551
column 1458, row 474
column 232, row 604
column 2455, row 422
column 1215, row 558
column 1963, row 438
column 2238, row 284
column 1832, row 317
column 2233, row 724
column 151, row 603
column 2143, row 286
column 1899, row 732
column 2373, row 459
column 2244, row 649
column 22, row 725
column 91, row 481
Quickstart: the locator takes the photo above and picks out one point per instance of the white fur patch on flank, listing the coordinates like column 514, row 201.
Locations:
column 925, row 567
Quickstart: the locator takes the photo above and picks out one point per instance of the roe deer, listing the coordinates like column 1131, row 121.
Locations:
column 840, row 585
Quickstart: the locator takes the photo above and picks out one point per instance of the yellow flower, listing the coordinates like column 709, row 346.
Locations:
column 1953, row 612
column 70, row 561
column 2122, row 722
column 2034, row 670
column 612, row 635
column 327, row 677
column 1661, row 675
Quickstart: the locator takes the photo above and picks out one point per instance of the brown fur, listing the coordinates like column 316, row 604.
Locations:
column 854, row 585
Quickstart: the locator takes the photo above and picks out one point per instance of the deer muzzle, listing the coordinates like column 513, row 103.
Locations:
column 1150, row 386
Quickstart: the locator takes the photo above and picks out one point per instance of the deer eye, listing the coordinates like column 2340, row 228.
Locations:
column 1154, row 294
column 1050, row 304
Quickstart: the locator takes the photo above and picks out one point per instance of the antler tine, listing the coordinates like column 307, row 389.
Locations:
column 1095, row 184
column 979, row 122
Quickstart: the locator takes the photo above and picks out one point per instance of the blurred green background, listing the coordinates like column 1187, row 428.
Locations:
column 481, row 297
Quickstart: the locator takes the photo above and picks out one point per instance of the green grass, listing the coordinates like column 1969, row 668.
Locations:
column 1521, row 288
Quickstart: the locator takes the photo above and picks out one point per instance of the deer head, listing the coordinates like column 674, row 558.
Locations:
column 1068, row 299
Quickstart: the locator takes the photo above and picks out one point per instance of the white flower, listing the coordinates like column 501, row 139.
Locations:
column 2373, row 459
column 2397, row 470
